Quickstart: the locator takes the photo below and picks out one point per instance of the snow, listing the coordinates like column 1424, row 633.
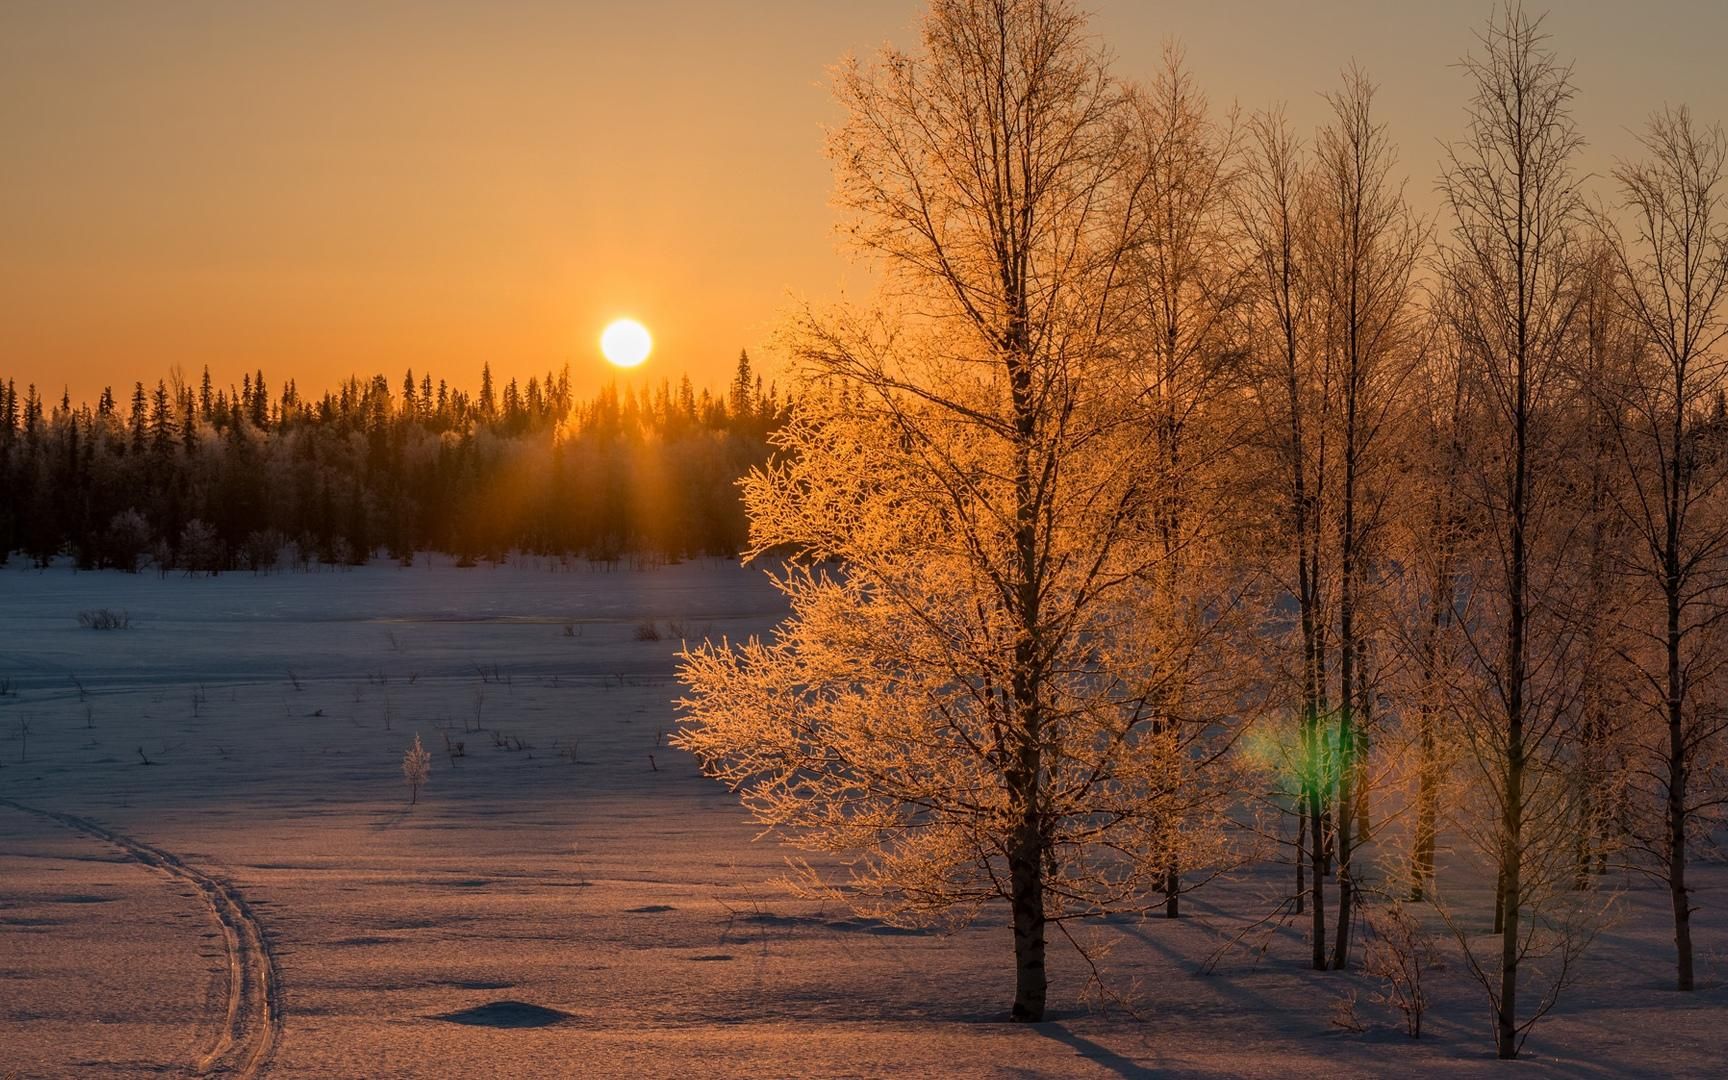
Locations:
column 587, row 904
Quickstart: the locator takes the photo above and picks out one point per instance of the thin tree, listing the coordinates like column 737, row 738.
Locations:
column 1512, row 198
column 1366, row 246
column 1431, row 532
column 1274, row 207
column 416, row 769
column 1672, row 282
column 1610, row 357
column 1186, row 290
column 972, row 697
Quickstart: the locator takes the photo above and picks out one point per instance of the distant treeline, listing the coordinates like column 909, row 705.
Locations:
column 200, row 478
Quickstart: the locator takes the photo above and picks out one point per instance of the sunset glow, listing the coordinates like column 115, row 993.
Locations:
column 795, row 540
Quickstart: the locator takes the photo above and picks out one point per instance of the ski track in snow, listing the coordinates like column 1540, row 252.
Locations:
column 245, row 1040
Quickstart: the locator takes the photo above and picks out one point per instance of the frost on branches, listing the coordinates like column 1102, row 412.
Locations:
column 991, row 686
column 416, row 769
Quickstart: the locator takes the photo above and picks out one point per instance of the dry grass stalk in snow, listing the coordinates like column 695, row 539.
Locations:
column 104, row 619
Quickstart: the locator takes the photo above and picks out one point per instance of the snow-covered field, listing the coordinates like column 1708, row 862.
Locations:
column 569, row 897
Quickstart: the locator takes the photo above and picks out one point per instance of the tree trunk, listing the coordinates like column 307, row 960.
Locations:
column 1301, row 852
column 1317, row 844
column 1427, row 809
column 1583, row 849
column 1682, row 908
column 1500, row 897
column 1026, row 871
column 1512, row 820
column 1346, row 884
column 1677, row 786
column 1364, row 819
column 1348, row 656
column 1506, row 1018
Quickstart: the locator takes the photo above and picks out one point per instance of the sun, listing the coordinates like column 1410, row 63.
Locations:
column 626, row 343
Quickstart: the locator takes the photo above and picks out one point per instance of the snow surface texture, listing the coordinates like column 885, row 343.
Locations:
column 570, row 897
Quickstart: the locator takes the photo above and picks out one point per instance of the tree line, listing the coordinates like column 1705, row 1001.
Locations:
column 1187, row 500
column 203, row 479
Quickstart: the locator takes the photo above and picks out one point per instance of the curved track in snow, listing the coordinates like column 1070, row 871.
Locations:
column 243, row 1043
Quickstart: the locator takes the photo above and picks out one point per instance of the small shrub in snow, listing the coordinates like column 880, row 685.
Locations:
column 104, row 619
column 647, row 630
column 1398, row 952
column 416, row 769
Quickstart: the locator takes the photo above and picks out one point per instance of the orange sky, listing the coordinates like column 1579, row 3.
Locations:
column 333, row 186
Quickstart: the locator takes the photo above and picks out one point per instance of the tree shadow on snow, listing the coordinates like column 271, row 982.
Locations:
column 1097, row 1053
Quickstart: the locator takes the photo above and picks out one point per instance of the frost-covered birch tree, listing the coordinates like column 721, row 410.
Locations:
column 416, row 769
column 1512, row 263
column 1275, row 206
column 1672, row 283
column 1366, row 245
column 1183, row 339
column 974, row 698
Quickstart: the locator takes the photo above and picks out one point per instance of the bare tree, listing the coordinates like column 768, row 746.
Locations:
column 1274, row 205
column 1515, row 211
column 1179, row 272
column 1674, row 440
column 1607, row 357
column 1431, row 531
column 972, row 697
column 1366, row 246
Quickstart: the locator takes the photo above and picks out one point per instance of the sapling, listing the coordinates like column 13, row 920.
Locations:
column 1398, row 953
column 416, row 768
